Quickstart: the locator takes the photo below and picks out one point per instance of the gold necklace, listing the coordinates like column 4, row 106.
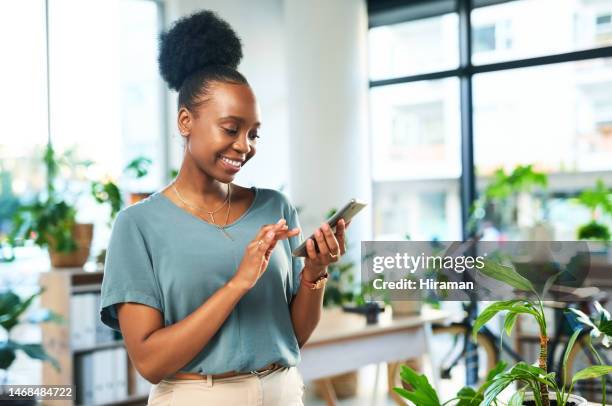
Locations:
column 227, row 201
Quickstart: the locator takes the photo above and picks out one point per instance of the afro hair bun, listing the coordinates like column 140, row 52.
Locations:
column 194, row 42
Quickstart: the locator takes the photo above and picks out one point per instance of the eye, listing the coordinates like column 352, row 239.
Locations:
column 230, row 131
column 254, row 135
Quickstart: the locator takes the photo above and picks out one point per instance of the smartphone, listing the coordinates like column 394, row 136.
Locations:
column 347, row 213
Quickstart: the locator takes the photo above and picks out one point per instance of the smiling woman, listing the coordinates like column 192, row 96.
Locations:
column 199, row 277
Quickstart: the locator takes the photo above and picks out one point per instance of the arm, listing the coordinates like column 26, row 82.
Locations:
column 306, row 305
column 159, row 351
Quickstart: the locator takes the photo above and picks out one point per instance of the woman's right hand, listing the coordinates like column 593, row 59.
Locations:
column 258, row 251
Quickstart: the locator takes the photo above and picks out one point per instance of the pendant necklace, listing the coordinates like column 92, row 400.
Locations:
column 227, row 201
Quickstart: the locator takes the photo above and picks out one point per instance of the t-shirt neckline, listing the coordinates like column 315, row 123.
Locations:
column 235, row 222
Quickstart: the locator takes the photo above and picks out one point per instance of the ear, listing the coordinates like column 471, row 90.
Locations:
column 184, row 121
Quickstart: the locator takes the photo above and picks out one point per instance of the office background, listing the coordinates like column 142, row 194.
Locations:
column 410, row 105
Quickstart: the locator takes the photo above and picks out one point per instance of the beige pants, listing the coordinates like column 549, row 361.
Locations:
column 281, row 387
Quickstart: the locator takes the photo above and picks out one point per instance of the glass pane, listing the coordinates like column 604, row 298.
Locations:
column 563, row 129
column 23, row 104
column 415, row 130
column 565, row 125
column 416, row 160
column 105, row 94
column 414, row 47
column 530, row 28
column 417, row 210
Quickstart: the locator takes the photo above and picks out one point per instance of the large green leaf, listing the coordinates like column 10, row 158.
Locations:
column 423, row 394
column 514, row 305
column 496, row 387
column 36, row 351
column 468, row 397
column 505, row 274
column 591, row 372
column 7, row 356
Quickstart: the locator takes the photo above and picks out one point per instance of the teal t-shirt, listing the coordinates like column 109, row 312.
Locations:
column 163, row 256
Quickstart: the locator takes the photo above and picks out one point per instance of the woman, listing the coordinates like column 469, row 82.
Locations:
column 199, row 277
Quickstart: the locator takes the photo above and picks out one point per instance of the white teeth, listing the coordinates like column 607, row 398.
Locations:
column 231, row 162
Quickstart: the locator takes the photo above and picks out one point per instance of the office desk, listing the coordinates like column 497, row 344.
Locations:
column 343, row 342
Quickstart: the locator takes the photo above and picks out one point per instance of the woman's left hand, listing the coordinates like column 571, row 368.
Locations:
column 331, row 247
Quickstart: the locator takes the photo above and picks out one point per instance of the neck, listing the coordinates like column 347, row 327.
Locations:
column 198, row 187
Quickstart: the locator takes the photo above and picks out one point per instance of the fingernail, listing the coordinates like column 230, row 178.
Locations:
column 270, row 234
column 281, row 221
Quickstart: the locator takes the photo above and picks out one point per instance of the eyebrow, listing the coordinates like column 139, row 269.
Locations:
column 239, row 119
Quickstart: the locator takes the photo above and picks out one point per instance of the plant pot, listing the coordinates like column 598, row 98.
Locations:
column 83, row 234
column 345, row 385
column 579, row 401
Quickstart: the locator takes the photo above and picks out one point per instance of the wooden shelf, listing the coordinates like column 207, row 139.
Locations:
column 60, row 285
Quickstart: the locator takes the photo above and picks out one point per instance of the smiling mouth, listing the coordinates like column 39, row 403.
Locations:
column 232, row 162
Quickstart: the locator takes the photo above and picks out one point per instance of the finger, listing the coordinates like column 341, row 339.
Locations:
column 323, row 250
column 271, row 248
column 264, row 243
column 330, row 239
column 264, row 229
column 284, row 234
column 340, row 236
column 310, row 249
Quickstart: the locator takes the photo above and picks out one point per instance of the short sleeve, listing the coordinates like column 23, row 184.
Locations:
column 297, row 263
column 128, row 271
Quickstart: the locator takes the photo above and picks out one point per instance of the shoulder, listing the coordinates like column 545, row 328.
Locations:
column 276, row 197
column 137, row 213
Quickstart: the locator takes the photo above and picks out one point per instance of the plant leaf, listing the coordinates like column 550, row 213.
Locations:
column 468, row 397
column 517, row 399
column 509, row 322
column 505, row 274
column 568, row 349
column 591, row 372
column 423, row 393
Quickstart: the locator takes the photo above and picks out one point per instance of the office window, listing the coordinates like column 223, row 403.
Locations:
column 554, row 116
column 414, row 47
column 105, row 98
column 539, row 27
column 23, row 104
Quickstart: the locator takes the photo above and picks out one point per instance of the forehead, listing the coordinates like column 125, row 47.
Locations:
column 226, row 99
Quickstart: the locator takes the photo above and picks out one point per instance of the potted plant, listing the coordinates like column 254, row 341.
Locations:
column 12, row 308
column 51, row 220
column 599, row 202
column 540, row 386
column 498, row 204
column 108, row 192
column 417, row 389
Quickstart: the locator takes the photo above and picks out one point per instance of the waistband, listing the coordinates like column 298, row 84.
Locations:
column 195, row 376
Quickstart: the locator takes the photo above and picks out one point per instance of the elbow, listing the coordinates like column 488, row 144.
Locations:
column 149, row 372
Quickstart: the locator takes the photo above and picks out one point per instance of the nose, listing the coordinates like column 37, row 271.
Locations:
column 242, row 144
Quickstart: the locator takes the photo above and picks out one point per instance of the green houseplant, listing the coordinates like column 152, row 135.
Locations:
column 599, row 202
column 498, row 202
column 51, row 220
column 539, row 384
column 108, row 192
column 12, row 310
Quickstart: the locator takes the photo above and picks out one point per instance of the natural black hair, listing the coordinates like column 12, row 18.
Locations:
column 196, row 51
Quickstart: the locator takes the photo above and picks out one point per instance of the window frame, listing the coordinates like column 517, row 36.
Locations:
column 386, row 12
